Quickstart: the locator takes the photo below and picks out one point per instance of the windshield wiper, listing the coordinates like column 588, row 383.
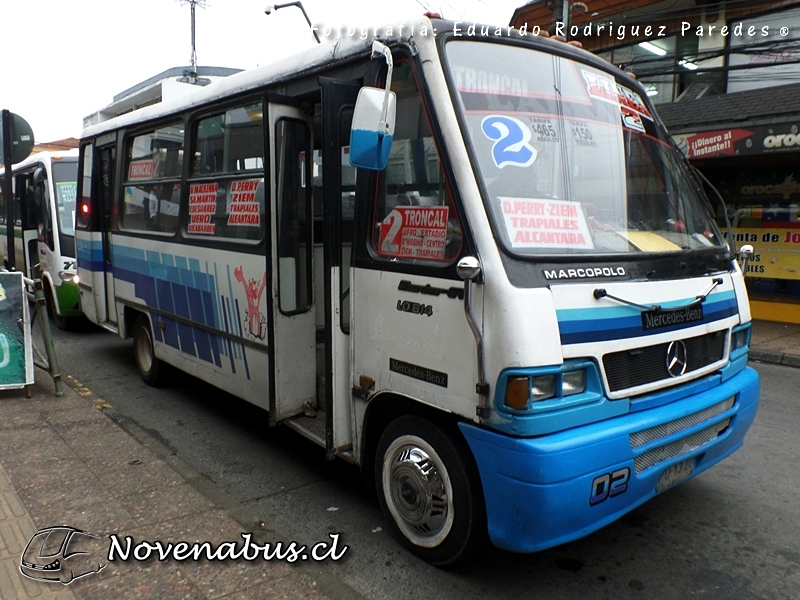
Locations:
column 602, row 293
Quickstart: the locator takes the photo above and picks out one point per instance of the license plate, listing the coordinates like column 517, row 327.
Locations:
column 675, row 474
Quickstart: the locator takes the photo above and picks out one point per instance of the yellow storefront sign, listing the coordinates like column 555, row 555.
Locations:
column 776, row 252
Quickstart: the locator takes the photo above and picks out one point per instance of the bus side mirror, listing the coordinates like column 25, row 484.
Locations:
column 374, row 115
column 469, row 268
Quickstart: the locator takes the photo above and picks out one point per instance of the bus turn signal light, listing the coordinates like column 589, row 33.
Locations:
column 518, row 393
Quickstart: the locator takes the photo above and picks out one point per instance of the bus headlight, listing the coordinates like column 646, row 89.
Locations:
column 68, row 277
column 524, row 390
column 739, row 338
column 544, row 387
column 573, row 382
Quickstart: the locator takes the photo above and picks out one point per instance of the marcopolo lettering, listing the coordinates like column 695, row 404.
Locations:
column 585, row 273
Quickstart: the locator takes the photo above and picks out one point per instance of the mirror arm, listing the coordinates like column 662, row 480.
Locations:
column 379, row 49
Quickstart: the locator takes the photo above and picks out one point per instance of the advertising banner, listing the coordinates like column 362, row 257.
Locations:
column 776, row 252
column 750, row 141
column 16, row 348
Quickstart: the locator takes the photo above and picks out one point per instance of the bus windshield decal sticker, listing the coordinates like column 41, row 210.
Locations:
column 243, row 210
column 632, row 120
column 605, row 89
column 202, row 206
column 544, row 223
column 417, row 372
column 511, row 137
column 479, row 81
column 414, row 232
column 582, row 133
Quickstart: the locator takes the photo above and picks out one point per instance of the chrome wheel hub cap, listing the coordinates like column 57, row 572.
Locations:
column 418, row 492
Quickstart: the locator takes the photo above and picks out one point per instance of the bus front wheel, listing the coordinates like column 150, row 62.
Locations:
column 62, row 322
column 150, row 368
column 429, row 490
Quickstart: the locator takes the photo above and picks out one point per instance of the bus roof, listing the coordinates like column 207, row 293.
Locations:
column 349, row 44
column 43, row 156
column 324, row 54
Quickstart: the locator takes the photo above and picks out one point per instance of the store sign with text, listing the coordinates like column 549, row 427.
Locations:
column 749, row 141
column 776, row 252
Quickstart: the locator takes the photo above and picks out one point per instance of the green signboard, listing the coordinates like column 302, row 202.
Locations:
column 16, row 349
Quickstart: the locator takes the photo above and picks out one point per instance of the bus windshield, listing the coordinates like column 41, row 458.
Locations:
column 65, row 183
column 571, row 159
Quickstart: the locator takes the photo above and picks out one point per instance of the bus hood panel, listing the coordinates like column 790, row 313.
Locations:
column 633, row 329
column 525, row 318
column 663, row 307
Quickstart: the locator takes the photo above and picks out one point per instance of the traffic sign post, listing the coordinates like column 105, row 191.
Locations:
column 16, row 143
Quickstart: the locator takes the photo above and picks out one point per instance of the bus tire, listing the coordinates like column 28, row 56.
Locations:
column 63, row 323
column 429, row 490
column 151, row 369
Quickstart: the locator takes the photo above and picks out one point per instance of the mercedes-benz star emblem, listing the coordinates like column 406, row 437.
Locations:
column 676, row 358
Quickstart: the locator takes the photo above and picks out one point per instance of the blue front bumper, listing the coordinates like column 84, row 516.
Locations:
column 541, row 492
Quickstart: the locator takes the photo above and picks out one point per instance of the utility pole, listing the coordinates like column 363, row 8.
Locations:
column 560, row 15
column 192, row 5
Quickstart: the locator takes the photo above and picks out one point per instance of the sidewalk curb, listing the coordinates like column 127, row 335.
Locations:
column 775, row 358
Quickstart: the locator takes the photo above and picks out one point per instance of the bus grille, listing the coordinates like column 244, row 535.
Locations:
column 640, row 366
column 652, row 457
column 661, row 453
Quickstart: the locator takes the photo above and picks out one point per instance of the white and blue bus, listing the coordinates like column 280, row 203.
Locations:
column 44, row 188
column 523, row 325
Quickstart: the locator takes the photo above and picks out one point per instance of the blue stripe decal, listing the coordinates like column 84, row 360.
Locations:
column 582, row 325
column 225, row 311
column 244, row 350
column 90, row 255
column 179, row 286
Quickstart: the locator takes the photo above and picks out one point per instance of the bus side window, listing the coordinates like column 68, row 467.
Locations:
column 226, row 198
column 414, row 214
column 151, row 198
column 292, row 148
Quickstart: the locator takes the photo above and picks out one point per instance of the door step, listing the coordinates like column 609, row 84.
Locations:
column 312, row 428
column 109, row 326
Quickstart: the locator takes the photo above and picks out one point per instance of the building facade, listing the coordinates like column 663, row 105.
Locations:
column 725, row 76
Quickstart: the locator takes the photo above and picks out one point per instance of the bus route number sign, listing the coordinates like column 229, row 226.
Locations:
column 415, row 232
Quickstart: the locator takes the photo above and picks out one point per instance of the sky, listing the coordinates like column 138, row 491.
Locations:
column 69, row 58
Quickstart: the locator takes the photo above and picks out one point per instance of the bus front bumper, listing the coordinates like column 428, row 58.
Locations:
column 545, row 491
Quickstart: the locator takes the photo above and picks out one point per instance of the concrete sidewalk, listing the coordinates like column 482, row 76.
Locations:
column 774, row 342
column 63, row 462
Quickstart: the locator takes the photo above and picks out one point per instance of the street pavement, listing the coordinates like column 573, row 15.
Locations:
column 64, row 461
